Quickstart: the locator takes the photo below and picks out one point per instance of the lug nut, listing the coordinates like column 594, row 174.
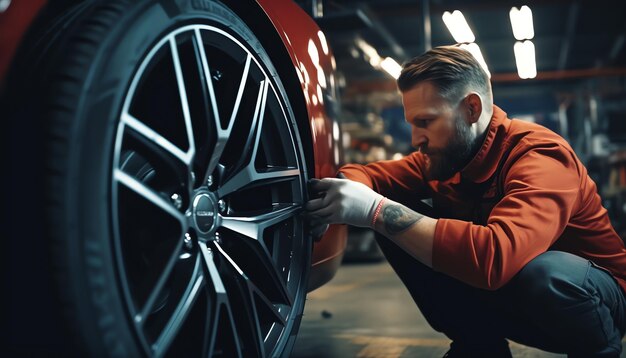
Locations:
column 188, row 241
column 216, row 74
column 221, row 205
column 177, row 201
column 209, row 181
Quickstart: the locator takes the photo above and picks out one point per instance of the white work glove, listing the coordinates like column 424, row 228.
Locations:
column 342, row 201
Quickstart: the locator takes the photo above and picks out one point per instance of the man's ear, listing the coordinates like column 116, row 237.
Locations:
column 474, row 107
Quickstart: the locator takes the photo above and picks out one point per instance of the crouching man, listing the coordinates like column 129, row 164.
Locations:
column 520, row 246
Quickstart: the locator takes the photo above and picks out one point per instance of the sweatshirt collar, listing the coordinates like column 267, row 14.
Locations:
column 485, row 162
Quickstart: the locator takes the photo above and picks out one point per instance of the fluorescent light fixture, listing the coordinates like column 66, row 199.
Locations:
column 354, row 52
column 375, row 61
column 391, row 67
column 367, row 49
column 525, row 59
column 387, row 64
column 478, row 55
column 371, row 55
column 458, row 27
column 522, row 23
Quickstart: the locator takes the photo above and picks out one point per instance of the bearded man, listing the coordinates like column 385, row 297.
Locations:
column 517, row 244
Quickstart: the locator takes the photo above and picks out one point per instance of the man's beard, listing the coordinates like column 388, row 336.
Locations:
column 461, row 148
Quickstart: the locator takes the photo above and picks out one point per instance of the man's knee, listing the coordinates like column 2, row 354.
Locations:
column 555, row 290
column 552, row 277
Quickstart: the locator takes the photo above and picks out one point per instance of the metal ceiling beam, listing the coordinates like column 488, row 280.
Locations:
column 570, row 31
column 562, row 75
column 385, row 9
column 355, row 87
column 384, row 33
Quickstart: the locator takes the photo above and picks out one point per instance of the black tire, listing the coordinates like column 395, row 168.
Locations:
column 151, row 259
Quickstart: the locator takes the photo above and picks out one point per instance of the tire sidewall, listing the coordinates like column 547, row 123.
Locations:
column 101, row 314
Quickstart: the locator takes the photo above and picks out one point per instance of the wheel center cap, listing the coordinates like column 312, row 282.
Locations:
column 204, row 212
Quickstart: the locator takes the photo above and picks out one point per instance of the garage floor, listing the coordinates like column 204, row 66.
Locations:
column 365, row 311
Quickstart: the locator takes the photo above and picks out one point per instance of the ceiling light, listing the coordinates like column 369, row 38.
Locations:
column 525, row 59
column 370, row 53
column 522, row 23
column 478, row 55
column 354, row 52
column 368, row 50
column 391, row 67
column 387, row 64
column 458, row 27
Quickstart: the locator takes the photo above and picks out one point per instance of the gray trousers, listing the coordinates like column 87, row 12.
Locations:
column 558, row 302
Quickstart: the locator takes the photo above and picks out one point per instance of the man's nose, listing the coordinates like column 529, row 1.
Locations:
column 418, row 139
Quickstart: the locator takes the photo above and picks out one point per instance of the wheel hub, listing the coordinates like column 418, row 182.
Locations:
column 204, row 212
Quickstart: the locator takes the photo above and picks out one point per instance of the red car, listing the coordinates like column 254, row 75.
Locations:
column 158, row 157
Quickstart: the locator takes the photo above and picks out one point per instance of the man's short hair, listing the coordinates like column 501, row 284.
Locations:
column 451, row 69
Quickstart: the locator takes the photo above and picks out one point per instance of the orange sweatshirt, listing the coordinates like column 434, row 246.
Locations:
column 525, row 192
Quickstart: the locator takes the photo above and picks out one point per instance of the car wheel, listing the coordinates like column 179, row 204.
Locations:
column 175, row 176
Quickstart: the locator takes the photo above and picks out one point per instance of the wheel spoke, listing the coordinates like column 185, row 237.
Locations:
column 259, row 109
column 253, row 227
column 180, row 314
column 218, row 285
column 152, row 135
column 149, row 195
column 230, row 261
column 183, row 99
column 221, row 303
column 222, row 133
column 249, row 177
column 265, row 269
column 257, row 300
column 278, row 317
column 154, row 294
column 207, row 75
column 249, row 289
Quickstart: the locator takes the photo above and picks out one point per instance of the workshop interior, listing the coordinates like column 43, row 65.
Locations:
column 158, row 154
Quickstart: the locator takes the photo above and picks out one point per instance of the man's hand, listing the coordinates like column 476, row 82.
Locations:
column 318, row 230
column 342, row 201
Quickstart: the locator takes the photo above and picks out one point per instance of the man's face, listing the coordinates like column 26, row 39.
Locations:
column 440, row 130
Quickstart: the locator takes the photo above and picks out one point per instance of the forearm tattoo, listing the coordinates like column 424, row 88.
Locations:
column 397, row 218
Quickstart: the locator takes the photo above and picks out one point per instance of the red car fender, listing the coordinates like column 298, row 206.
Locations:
column 13, row 25
column 314, row 64
column 312, row 61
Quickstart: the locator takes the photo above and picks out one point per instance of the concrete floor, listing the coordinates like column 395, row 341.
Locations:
column 366, row 312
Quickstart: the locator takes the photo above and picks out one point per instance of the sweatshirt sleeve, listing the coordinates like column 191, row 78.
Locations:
column 541, row 191
column 392, row 178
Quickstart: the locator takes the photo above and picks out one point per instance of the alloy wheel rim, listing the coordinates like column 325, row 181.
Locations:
column 207, row 182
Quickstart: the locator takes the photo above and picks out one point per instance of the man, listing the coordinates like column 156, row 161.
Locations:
column 522, row 249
